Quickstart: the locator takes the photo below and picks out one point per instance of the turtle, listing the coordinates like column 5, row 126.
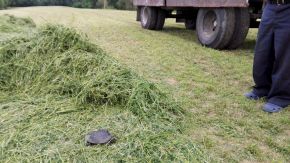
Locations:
column 101, row 137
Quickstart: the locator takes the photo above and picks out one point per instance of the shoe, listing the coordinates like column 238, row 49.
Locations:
column 272, row 108
column 252, row 96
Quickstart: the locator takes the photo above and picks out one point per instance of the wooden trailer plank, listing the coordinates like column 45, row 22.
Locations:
column 207, row 3
column 157, row 3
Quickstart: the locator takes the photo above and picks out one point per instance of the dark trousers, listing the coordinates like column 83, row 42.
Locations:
column 272, row 55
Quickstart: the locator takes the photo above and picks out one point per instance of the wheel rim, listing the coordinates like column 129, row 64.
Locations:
column 144, row 15
column 210, row 24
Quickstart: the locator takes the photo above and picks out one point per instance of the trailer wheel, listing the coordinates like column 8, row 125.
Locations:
column 148, row 17
column 215, row 27
column 190, row 24
column 241, row 28
column 161, row 15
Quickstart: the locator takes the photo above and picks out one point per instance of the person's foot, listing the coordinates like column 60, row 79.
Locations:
column 272, row 108
column 252, row 96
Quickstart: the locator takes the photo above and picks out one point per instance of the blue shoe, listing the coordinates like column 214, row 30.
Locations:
column 252, row 96
column 272, row 108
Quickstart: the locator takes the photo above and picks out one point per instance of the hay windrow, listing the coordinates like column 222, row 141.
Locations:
column 58, row 60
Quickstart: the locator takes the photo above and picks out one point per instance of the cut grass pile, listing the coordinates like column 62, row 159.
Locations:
column 10, row 26
column 9, row 23
column 58, row 86
column 57, row 60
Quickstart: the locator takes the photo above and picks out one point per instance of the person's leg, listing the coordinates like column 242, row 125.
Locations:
column 280, row 90
column 264, row 53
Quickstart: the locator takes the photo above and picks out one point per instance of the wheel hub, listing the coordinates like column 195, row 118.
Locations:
column 210, row 24
column 215, row 25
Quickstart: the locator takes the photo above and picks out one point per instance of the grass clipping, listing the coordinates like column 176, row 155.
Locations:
column 59, row 61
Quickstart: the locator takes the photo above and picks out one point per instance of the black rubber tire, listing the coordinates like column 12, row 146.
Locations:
column 161, row 15
column 241, row 28
column 215, row 26
column 148, row 17
column 190, row 24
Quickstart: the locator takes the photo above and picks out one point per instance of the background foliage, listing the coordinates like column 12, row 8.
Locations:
column 4, row 4
column 118, row 4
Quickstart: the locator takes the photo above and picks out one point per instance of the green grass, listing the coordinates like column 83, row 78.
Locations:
column 219, row 124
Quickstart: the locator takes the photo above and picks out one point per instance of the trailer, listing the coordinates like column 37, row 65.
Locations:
column 219, row 24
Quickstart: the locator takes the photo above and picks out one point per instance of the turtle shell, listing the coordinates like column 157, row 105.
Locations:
column 101, row 136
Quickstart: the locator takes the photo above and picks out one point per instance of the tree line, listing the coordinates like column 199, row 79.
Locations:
column 4, row 4
column 117, row 4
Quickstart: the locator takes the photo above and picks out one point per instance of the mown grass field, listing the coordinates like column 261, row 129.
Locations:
column 220, row 125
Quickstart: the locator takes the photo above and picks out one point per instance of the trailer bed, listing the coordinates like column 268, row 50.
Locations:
column 192, row 3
